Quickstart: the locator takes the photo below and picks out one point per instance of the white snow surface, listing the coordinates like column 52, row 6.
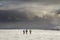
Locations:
column 17, row 34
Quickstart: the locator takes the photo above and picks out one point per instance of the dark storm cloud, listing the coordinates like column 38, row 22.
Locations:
column 30, row 8
column 44, row 13
column 26, row 10
column 57, row 11
column 12, row 15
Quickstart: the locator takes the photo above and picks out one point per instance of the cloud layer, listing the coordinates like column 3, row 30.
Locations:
column 45, row 12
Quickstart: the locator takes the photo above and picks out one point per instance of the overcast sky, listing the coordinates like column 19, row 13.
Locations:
column 47, row 10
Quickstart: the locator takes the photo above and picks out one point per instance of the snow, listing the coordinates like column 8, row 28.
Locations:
column 17, row 34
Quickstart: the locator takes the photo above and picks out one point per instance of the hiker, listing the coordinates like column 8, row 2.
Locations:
column 26, row 31
column 23, row 31
column 30, row 31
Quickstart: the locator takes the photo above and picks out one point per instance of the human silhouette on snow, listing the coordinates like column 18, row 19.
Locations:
column 23, row 31
column 26, row 31
column 30, row 31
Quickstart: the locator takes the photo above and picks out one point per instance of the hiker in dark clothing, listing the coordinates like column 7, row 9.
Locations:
column 23, row 31
column 30, row 31
column 26, row 31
